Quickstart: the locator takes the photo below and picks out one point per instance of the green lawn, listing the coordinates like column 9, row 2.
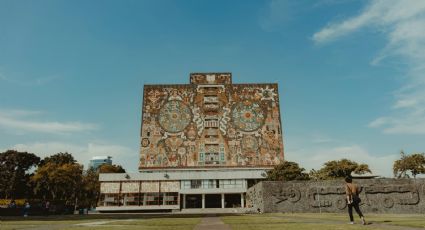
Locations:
column 272, row 221
column 322, row 221
column 99, row 222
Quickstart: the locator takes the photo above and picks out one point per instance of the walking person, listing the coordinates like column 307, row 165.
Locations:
column 27, row 207
column 46, row 208
column 12, row 204
column 353, row 199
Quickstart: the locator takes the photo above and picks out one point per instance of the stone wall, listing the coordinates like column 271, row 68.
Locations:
column 377, row 195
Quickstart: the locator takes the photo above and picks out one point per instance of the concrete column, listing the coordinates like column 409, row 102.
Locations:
column 145, row 197
column 184, row 201
column 242, row 201
column 222, row 200
column 203, row 201
column 164, row 199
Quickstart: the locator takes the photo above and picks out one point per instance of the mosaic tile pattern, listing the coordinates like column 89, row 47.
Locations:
column 210, row 123
column 150, row 186
column 110, row 187
column 130, row 187
column 247, row 116
column 170, row 186
column 174, row 116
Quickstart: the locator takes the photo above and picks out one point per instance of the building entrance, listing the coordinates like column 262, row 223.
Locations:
column 194, row 201
column 212, row 200
column 232, row 200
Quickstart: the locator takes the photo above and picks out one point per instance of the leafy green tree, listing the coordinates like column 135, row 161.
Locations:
column 415, row 163
column 90, row 189
column 106, row 168
column 58, row 178
column 339, row 169
column 15, row 173
column 287, row 171
column 59, row 159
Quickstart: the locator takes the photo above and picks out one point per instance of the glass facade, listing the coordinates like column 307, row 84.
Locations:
column 210, row 184
column 98, row 161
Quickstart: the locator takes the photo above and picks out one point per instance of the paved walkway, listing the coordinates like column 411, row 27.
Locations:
column 212, row 223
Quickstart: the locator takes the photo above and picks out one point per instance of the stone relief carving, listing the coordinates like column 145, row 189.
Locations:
column 377, row 195
column 409, row 194
column 334, row 196
column 291, row 194
column 320, row 197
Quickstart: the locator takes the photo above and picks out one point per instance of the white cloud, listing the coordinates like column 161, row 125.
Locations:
column 377, row 13
column 121, row 155
column 314, row 157
column 317, row 138
column 19, row 79
column 403, row 23
column 23, row 120
column 276, row 13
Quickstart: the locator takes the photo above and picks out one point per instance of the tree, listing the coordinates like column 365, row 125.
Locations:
column 59, row 159
column 58, row 178
column 415, row 163
column 287, row 171
column 106, row 168
column 339, row 169
column 14, row 173
column 90, row 189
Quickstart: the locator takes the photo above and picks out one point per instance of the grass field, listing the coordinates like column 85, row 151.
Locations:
column 237, row 222
column 101, row 222
column 323, row 221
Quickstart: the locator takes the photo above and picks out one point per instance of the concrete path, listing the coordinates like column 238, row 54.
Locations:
column 212, row 223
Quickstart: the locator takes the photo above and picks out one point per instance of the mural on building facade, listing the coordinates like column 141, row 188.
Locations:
column 210, row 122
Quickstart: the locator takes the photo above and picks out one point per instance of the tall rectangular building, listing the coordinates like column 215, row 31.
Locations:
column 202, row 145
column 210, row 123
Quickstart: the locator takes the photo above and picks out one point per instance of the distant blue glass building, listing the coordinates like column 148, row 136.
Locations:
column 96, row 161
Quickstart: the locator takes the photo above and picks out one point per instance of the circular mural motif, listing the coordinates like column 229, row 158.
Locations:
column 247, row 116
column 174, row 116
column 388, row 202
column 341, row 203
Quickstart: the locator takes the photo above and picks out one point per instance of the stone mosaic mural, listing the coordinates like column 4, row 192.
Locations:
column 377, row 195
column 134, row 187
column 110, row 187
column 210, row 123
column 130, row 187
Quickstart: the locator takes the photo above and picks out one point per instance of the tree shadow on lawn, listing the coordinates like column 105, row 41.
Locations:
column 107, row 216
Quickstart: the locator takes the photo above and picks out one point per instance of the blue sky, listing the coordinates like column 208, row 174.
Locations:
column 350, row 73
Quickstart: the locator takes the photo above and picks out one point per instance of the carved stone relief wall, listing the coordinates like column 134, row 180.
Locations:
column 377, row 195
column 210, row 123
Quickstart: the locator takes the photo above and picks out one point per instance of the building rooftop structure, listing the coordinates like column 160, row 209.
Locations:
column 97, row 161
